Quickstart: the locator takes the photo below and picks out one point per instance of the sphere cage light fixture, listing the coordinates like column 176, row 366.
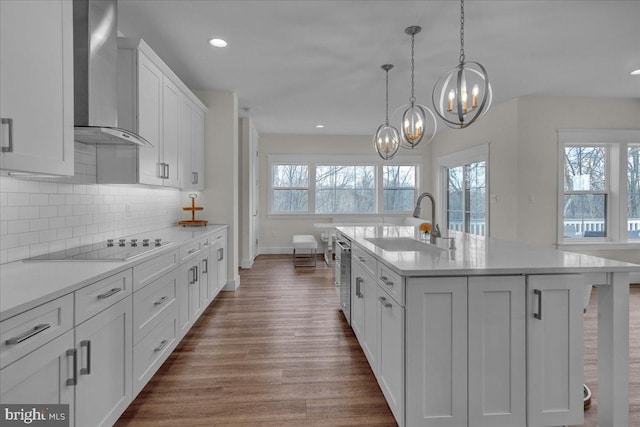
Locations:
column 450, row 94
column 387, row 139
column 414, row 124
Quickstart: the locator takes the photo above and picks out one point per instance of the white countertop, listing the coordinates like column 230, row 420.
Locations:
column 477, row 256
column 24, row 285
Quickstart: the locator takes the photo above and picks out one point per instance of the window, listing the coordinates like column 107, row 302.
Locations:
column 464, row 187
column 599, row 197
column 290, row 188
column 585, row 191
column 334, row 185
column 345, row 189
column 399, row 188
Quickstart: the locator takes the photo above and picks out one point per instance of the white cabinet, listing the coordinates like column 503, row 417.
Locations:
column 497, row 361
column 390, row 372
column 436, row 379
column 554, row 350
column 191, row 131
column 364, row 311
column 357, row 300
column 104, row 346
column 42, row 376
column 221, row 258
column 170, row 170
column 36, row 83
column 190, row 302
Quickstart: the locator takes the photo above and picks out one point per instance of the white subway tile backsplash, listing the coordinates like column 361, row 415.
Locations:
column 17, row 199
column 57, row 222
column 29, row 212
column 57, row 199
column 9, row 212
column 4, row 227
column 30, row 238
column 48, row 211
column 66, row 210
column 38, row 224
column 48, row 235
column 18, row 226
column 38, row 199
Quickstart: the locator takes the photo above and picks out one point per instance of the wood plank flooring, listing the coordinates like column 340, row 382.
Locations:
column 278, row 353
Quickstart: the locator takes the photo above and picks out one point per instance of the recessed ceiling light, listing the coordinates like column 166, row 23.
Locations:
column 636, row 72
column 319, row 126
column 218, row 43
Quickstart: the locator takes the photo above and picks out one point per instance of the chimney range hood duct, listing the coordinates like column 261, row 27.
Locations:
column 95, row 47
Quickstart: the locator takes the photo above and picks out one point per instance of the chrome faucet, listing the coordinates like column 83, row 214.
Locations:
column 435, row 231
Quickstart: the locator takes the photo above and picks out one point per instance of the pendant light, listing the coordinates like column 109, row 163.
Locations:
column 450, row 94
column 417, row 120
column 386, row 140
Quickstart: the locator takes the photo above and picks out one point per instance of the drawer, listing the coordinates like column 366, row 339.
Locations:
column 207, row 242
column 368, row 262
column 151, row 352
column 189, row 251
column 152, row 303
column 25, row 332
column 153, row 269
column 94, row 298
column 391, row 282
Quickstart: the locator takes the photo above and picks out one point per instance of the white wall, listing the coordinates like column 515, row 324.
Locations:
column 523, row 156
column 276, row 231
column 48, row 215
column 220, row 198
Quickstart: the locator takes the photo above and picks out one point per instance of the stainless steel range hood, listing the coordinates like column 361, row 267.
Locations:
column 95, row 74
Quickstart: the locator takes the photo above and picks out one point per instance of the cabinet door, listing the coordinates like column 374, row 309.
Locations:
column 357, row 301
column 222, row 260
column 436, row 337
column 371, row 303
column 41, row 376
column 391, row 354
column 104, row 345
column 212, row 285
column 149, row 121
column 197, row 148
column 185, row 138
column 205, row 268
column 189, row 302
column 36, row 83
column 497, row 354
column 554, row 350
column 170, row 101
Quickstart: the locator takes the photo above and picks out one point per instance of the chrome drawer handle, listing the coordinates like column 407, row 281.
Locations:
column 386, row 280
column 205, row 269
column 384, row 302
column 538, row 315
column 161, row 300
column 9, row 148
column 33, row 332
column 358, row 283
column 190, row 251
column 87, row 370
column 109, row 293
column 362, row 259
column 337, row 284
column 220, row 254
column 74, row 379
column 162, row 345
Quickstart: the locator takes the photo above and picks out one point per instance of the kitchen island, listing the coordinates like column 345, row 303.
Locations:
column 488, row 333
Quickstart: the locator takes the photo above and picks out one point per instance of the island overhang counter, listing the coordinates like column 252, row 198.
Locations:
column 488, row 333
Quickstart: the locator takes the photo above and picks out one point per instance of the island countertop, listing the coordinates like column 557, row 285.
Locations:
column 476, row 255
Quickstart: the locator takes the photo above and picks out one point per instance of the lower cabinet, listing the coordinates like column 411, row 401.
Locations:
column 42, row 376
column 220, row 248
column 104, row 351
column 189, row 294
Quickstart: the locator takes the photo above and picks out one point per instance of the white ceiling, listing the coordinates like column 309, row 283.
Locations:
column 299, row 63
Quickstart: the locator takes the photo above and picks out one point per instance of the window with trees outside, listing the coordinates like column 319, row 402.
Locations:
column 328, row 185
column 600, row 188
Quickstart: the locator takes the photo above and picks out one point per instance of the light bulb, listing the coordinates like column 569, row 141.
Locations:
column 474, row 96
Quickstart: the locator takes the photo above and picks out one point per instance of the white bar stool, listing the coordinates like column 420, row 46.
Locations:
column 304, row 242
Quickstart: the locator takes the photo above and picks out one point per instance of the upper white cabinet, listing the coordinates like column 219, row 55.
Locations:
column 36, row 87
column 191, row 135
column 153, row 102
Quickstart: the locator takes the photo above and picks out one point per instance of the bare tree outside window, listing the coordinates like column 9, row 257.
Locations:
column 466, row 198
column 345, row 189
column 399, row 188
column 633, row 191
column 290, row 188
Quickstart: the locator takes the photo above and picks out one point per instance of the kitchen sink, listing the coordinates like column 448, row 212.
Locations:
column 403, row 244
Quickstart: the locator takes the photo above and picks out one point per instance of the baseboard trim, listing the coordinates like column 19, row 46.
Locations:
column 246, row 263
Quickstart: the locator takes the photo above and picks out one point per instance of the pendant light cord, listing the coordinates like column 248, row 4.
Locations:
column 386, row 121
column 461, row 31
column 413, row 98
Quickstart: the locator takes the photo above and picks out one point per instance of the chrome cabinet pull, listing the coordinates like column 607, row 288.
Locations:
column 358, row 283
column 384, row 302
column 74, row 379
column 197, row 178
column 196, row 267
column 162, row 345
column 9, row 148
column 386, row 280
column 192, row 271
column 205, row 269
column 194, row 177
column 337, row 284
column 190, row 251
column 538, row 315
column 33, row 332
column 87, row 370
column 161, row 300
column 167, row 177
column 220, row 254
column 109, row 293
column 362, row 259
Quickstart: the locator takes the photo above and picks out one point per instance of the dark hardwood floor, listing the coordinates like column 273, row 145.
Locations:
column 278, row 352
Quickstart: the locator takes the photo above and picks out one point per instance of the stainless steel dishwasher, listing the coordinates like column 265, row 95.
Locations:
column 343, row 275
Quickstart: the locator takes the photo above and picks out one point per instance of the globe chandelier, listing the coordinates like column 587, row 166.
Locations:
column 386, row 139
column 418, row 122
column 451, row 94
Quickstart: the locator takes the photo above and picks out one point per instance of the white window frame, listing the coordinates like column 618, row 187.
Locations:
column 477, row 153
column 617, row 142
column 307, row 188
column 314, row 160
